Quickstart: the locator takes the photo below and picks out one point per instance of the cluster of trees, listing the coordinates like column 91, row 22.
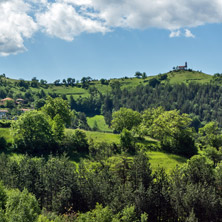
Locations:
column 43, row 131
column 171, row 128
column 200, row 101
column 126, row 190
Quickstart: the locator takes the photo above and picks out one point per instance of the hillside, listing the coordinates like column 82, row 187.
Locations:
column 172, row 77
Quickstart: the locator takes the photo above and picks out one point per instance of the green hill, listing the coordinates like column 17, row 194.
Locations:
column 77, row 90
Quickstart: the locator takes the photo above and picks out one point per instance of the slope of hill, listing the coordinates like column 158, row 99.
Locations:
column 77, row 90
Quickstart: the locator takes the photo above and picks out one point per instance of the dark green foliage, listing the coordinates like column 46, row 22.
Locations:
column 75, row 142
column 79, row 121
column 32, row 133
column 127, row 141
column 154, row 82
column 3, row 143
column 3, row 197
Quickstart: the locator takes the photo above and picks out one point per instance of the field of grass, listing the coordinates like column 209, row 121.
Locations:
column 103, row 137
column 157, row 159
column 100, row 121
column 165, row 160
column 187, row 77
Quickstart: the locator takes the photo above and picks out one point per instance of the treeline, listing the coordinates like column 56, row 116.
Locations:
column 126, row 190
column 201, row 101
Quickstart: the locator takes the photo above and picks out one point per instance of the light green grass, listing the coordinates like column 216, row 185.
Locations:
column 99, row 119
column 165, row 160
column 187, row 77
column 103, row 137
column 63, row 90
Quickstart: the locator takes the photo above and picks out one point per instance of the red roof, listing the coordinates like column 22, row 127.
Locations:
column 7, row 99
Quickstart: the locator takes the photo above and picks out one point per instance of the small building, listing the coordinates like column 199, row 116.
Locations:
column 3, row 101
column 20, row 101
column 25, row 110
column 182, row 67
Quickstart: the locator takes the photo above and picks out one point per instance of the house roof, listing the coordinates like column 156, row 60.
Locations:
column 7, row 99
column 3, row 111
column 25, row 110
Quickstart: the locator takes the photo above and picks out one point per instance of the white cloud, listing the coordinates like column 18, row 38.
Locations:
column 15, row 26
column 175, row 34
column 189, row 34
column 65, row 19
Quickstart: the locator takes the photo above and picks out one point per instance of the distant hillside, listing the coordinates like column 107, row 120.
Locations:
column 78, row 89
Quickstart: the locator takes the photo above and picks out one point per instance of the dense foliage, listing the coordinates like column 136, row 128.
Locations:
column 112, row 182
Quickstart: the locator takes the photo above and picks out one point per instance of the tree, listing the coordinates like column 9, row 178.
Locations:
column 210, row 135
column 57, row 82
column 173, row 130
column 127, row 141
column 57, row 106
column 32, row 132
column 138, row 74
column 34, row 82
column 75, row 141
column 148, row 117
column 125, row 118
column 22, row 207
column 144, row 75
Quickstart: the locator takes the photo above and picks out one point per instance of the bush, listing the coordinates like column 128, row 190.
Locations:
column 22, row 207
column 75, row 142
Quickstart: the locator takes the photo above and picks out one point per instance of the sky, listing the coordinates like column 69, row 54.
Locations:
column 57, row 39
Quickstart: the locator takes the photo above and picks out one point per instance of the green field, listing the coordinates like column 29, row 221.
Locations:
column 165, row 160
column 157, row 159
column 100, row 121
column 187, row 77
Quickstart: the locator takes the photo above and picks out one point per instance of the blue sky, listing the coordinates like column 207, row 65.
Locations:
column 108, row 39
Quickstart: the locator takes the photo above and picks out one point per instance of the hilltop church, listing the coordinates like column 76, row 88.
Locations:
column 182, row 67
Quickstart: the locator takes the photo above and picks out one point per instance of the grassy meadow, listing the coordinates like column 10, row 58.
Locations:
column 100, row 122
column 157, row 159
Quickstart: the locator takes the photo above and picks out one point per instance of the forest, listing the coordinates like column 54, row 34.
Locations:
column 51, row 171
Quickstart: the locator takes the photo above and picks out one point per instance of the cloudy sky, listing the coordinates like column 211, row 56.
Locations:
column 56, row 39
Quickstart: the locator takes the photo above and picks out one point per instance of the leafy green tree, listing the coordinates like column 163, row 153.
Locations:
column 98, row 214
column 75, row 142
column 125, row 118
column 58, row 128
column 210, row 135
column 144, row 75
column 129, row 214
column 173, row 130
column 57, row 106
column 32, row 132
column 138, row 74
column 127, row 141
column 213, row 154
column 39, row 103
column 22, row 207
column 148, row 117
